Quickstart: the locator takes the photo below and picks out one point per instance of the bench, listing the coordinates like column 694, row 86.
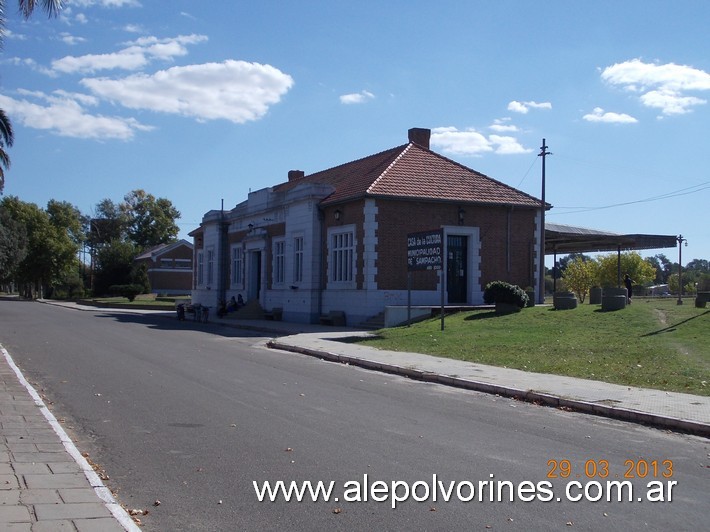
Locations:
column 334, row 317
column 701, row 299
column 275, row 314
column 199, row 312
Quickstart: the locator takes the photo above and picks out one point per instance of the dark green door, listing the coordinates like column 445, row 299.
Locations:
column 456, row 268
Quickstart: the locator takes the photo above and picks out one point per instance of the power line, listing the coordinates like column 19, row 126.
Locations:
column 680, row 192
column 528, row 170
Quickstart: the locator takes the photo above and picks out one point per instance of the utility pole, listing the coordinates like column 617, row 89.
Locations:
column 541, row 288
column 680, row 241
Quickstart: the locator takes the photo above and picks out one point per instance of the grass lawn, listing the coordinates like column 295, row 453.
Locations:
column 141, row 300
column 652, row 343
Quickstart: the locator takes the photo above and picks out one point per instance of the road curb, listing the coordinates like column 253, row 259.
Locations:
column 531, row 396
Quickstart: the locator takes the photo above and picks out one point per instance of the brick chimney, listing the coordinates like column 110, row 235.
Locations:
column 295, row 174
column 420, row 136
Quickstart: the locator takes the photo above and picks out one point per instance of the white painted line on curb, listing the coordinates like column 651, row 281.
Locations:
column 101, row 490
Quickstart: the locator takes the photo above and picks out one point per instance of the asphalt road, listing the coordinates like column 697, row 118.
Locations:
column 191, row 414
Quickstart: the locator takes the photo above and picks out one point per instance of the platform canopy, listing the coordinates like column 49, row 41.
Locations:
column 570, row 239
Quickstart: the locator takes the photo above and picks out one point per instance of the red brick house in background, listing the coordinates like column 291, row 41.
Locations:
column 169, row 267
column 336, row 240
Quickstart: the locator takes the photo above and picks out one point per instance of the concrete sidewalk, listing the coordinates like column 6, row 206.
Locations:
column 45, row 483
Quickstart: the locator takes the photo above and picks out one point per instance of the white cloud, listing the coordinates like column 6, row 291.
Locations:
column 92, row 62
column 663, row 87
column 232, row 90
column 9, row 34
column 670, row 103
column 524, row 107
column 136, row 55
column 358, row 97
column 64, row 115
column 103, row 3
column 599, row 115
column 133, row 28
column 71, row 40
column 470, row 142
column 507, row 145
column 503, row 125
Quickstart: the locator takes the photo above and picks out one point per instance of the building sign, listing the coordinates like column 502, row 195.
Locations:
column 425, row 250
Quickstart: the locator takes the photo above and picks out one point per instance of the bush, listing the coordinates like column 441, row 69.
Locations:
column 502, row 292
column 129, row 291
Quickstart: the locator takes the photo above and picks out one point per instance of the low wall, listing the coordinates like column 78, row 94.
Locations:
column 395, row 316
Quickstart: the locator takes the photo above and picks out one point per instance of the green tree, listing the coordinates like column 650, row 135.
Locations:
column 108, row 224
column 698, row 265
column 666, row 267
column 580, row 275
column 13, row 245
column 656, row 264
column 640, row 271
column 51, row 255
column 119, row 232
column 688, row 284
column 563, row 262
column 151, row 219
column 113, row 265
column 64, row 215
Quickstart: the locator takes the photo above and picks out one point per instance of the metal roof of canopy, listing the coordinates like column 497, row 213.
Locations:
column 570, row 239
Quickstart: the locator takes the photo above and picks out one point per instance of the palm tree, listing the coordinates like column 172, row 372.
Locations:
column 6, row 138
column 52, row 8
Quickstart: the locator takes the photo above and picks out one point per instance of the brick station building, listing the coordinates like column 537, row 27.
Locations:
column 336, row 240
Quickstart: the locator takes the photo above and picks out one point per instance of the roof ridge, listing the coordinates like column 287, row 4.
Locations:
column 510, row 187
column 382, row 175
column 371, row 156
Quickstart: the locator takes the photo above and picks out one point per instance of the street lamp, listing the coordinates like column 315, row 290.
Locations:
column 680, row 241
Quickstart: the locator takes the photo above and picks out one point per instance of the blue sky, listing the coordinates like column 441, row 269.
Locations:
column 203, row 101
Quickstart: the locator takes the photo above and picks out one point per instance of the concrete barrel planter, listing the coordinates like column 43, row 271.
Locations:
column 507, row 308
column 614, row 299
column 595, row 295
column 531, row 297
column 564, row 300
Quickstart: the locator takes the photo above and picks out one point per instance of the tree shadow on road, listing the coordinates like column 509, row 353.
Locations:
column 169, row 322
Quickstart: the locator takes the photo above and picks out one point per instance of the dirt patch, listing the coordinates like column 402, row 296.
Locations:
column 662, row 317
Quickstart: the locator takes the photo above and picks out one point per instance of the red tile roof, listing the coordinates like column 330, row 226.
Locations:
column 412, row 172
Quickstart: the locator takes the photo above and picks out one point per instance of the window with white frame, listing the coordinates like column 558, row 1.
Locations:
column 183, row 264
column 342, row 257
column 279, row 261
column 210, row 266
column 237, row 265
column 298, row 259
column 200, row 268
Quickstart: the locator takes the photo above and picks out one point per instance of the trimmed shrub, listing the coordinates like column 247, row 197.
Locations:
column 502, row 292
column 129, row 291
